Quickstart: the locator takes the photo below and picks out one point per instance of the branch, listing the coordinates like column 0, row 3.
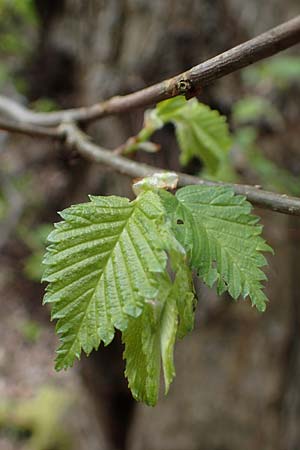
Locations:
column 29, row 130
column 263, row 199
column 187, row 83
column 75, row 138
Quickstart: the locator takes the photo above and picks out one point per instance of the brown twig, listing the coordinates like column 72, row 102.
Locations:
column 263, row 199
column 34, row 124
column 187, row 83
column 29, row 130
column 75, row 138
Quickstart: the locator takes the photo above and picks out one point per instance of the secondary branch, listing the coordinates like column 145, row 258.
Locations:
column 28, row 129
column 258, row 197
column 75, row 138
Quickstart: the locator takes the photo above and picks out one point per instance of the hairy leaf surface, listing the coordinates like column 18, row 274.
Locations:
column 222, row 237
column 102, row 266
column 149, row 339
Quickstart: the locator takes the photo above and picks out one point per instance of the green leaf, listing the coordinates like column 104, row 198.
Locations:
column 143, row 349
column 229, row 236
column 183, row 292
column 201, row 131
column 103, row 265
column 149, row 339
column 189, row 232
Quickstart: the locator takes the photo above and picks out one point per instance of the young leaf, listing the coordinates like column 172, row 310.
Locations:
column 103, row 265
column 149, row 339
column 142, row 341
column 201, row 131
column 190, row 233
column 160, row 180
column 229, row 236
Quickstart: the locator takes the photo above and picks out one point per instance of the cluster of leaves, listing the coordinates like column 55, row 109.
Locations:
column 128, row 265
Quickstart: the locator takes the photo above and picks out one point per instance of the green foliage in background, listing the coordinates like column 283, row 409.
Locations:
column 254, row 109
column 270, row 174
column 270, row 78
column 35, row 239
column 31, row 331
column 18, row 22
column 22, row 9
column 15, row 16
column 38, row 421
column 3, row 206
column 279, row 72
column 44, row 104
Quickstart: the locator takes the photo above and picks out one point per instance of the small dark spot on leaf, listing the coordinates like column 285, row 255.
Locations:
column 180, row 222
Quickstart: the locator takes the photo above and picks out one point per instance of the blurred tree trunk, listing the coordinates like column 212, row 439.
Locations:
column 238, row 373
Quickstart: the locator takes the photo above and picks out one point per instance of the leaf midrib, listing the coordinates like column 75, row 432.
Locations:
column 97, row 284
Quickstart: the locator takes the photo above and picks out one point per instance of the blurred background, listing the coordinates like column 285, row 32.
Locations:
column 238, row 374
